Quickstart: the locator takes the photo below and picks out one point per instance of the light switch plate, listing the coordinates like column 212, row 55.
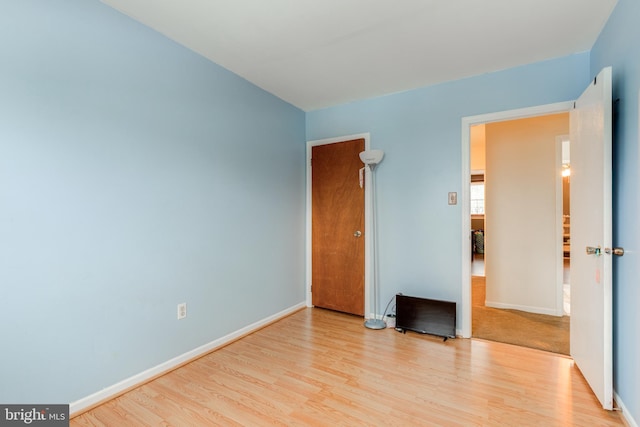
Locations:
column 453, row 198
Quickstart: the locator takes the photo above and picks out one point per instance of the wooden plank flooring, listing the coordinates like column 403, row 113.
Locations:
column 322, row 368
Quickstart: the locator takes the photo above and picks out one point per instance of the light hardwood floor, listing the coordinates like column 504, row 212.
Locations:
column 322, row 368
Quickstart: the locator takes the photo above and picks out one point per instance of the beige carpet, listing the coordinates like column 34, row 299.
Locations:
column 549, row 333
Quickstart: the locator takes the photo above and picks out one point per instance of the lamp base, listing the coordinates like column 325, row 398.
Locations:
column 375, row 324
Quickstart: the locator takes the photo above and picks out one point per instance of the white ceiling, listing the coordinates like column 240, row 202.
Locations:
column 319, row 53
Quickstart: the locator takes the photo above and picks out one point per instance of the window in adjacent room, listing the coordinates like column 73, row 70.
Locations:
column 477, row 198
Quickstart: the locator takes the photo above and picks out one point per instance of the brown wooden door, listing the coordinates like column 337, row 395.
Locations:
column 337, row 212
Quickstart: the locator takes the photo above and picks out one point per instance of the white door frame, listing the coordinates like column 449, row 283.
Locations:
column 467, row 122
column 367, row 218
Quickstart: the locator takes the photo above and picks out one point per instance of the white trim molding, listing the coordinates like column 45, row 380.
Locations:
column 624, row 412
column 526, row 308
column 82, row 405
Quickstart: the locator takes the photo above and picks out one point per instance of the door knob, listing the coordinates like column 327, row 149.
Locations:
column 615, row 251
column 357, row 233
column 598, row 251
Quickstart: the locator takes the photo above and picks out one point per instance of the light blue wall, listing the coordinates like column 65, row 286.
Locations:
column 619, row 46
column 134, row 175
column 420, row 132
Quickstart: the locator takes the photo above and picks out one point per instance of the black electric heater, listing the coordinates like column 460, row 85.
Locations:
column 426, row 316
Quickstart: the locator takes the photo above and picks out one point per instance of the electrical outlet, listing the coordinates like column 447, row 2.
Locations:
column 182, row 310
column 453, row 198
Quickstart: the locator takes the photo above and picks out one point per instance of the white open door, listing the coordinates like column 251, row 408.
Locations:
column 591, row 237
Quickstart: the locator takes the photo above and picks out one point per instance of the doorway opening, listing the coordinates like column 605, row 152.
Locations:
column 516, row 273
column 477, row 234
column 564, row 143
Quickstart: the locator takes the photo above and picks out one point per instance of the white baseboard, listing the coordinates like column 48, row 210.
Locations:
column 624, row 412
column 114, row 390
column 529, row 309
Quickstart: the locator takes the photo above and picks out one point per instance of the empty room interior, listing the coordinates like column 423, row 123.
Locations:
column 265, row 213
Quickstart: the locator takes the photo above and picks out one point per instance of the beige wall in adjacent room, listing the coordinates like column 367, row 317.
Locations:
column 520, row 205
column 477, row 164
column 477, row 140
